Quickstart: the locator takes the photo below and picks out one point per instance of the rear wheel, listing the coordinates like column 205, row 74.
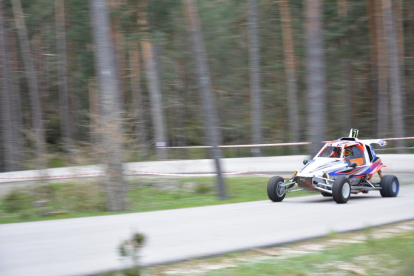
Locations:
column 341, row 190
column 275, row 189
column 389, row 186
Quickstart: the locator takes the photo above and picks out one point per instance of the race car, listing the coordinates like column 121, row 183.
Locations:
column 341, row 168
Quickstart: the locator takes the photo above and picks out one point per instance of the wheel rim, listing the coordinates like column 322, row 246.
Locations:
column 280, row 190
column 394, row 187
column 346, row 189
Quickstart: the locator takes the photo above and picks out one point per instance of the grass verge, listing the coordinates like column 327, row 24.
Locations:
column 70, row 200
column 386, row 250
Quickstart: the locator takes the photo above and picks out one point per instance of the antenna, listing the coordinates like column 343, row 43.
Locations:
column 354, row 133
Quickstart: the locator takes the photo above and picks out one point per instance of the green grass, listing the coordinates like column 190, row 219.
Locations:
column 393, row 256
column 387, row 256
column 57, row 163
column 87, row 199
column 239, row 190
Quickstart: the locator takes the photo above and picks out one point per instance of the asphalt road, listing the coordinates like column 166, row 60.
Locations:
column 88, row 245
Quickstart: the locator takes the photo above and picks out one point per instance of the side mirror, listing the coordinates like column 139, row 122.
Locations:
column 305, row 162
column 353, row 165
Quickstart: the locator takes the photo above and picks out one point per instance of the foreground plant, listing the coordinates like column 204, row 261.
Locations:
column 130, row 249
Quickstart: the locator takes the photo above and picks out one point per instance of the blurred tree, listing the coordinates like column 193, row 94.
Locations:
column 348, row 109
column 138, row 106
column 93, row 110
column 6, row 98
column 409, row 64
column 183, row 87
column 31, row 76
column 397, row 7
column 397, row 110
column 357, row 69
column 209, row 109
column 290, row 71
column 374, row 64
column 157, row 109
column 254, row 67
column 16, row 102
column 109, row 98
column 383, row 97
column 119, row 41
column 65, row 125
column 315, row 75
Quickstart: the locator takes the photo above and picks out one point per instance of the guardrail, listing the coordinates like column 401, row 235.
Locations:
column 272, row 145
column 99, row 173
column 127, row 173
column 241, row 146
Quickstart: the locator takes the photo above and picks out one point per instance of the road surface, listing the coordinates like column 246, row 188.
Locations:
column 84, row 246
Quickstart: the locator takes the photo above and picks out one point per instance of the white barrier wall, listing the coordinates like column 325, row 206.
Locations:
column 278, row 164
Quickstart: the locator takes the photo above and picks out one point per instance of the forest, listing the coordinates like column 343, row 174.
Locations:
column 84, row 78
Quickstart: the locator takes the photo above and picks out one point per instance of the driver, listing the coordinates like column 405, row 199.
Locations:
column 336, row 152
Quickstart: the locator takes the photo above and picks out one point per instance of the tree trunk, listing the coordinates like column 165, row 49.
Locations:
column 138, row 106
column 16, row 103
column 6, row 99
column 207, row 96
column 182, row 108
column 180, row 42
column 290, row 72
column 157, row 109
column 254, row 67
column 409, row 8
column 111, row 118
column 118, row 40
column 94, row 114
column 32, row 84
column 395, row 75
column 373, row 41
column 62, row 73
column 397, row 6
column 382, row 108
column 315, row 75
column 346, row 70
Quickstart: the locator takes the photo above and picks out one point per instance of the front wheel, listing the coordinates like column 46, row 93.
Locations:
column 275, row 189
column 389, row 186
column 341, row 190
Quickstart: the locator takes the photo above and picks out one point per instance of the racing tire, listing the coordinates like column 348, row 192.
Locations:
column 341, row 190
column 325, row 194
column 274, row 191
column 389, row 186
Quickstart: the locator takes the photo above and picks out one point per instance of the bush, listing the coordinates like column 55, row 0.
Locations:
column 17, row 201
column 130, row 249
column 202, row 188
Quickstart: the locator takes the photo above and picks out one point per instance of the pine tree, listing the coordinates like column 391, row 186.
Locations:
column 315, row 68
column 204, row 83
column 110, row 105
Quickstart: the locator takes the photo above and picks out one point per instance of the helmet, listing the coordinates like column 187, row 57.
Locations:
column 348, row 152
column 336, row 152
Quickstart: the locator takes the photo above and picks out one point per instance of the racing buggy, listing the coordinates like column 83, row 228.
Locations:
column 341, row 168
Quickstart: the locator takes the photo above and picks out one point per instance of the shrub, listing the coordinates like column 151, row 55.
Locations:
column 202, row 188
column 130, row 248
column 17, row 201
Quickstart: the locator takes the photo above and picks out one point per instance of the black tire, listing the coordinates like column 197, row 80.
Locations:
column 341, row 190
column 326, row 194
column 275, row 193
column 389, row 186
